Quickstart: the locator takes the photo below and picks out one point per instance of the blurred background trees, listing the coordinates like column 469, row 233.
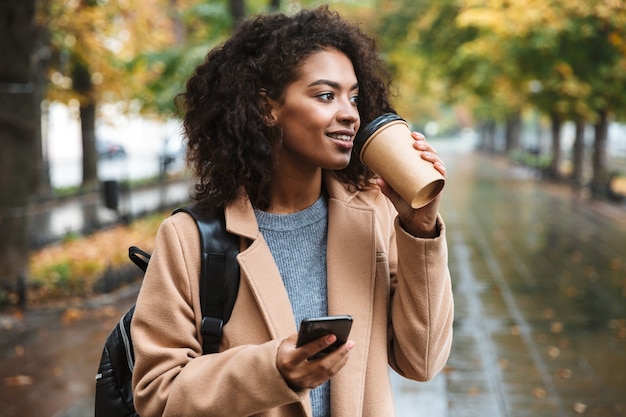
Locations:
column 486, row 65
column 565, row 60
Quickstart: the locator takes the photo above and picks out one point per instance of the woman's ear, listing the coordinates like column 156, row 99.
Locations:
column 269, row 106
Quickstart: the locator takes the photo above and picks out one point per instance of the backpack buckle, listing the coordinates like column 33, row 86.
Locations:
column 211, row 329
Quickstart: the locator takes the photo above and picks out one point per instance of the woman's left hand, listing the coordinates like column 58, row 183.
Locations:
column 420, row 222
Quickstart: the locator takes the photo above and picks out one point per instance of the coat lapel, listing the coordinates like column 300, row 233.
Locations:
column 351, row 266
column 351, row 257
column 260, row 270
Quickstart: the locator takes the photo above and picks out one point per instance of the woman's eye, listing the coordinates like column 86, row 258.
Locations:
column 354, row 99
column 326, row 96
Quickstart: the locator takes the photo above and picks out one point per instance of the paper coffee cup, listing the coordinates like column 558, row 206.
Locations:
column 385, row 145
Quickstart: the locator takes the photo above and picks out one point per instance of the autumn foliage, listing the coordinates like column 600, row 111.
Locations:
column 72, row 268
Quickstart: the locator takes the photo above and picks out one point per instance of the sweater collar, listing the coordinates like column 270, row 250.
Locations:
column 240, row 217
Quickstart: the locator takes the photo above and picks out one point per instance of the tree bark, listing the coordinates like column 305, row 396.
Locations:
column 19, row 124
column 599, row 182
column 178, row 25
column 81, row 81
column 274, row 5
column 556, row 146
column 579, row 152
column 42, row 53
column 237, row 11
column 90, row 155
column 513, row 130
column 489, row 136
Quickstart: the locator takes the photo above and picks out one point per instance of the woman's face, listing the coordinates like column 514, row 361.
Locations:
column 318, row 114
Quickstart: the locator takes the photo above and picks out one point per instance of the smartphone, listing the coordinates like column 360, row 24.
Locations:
column 314, row 328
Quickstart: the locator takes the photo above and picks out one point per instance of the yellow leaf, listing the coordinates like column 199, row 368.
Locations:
column 18, row 381
column 539, row 392
column 71, row 315
column 580, row 407
column 19, row 350
column 556, row 327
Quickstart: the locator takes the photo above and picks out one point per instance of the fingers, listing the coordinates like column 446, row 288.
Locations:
column 315, row 347
column 421, row 143
column 428, row 152
column 420, row 222
column 300, row 372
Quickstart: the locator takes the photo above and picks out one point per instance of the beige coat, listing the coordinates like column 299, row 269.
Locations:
column 396, row 287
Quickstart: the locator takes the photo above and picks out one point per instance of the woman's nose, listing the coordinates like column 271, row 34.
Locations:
column 348, row 111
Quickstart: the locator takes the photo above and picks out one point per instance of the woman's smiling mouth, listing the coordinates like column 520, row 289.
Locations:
column 342, row 137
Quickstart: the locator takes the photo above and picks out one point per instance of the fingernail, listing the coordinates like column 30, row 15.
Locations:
column 350, row 345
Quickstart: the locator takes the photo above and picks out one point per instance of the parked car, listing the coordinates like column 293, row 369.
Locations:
column 110, row 150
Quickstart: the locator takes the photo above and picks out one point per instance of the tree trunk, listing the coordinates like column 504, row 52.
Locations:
column 556, row 146
column 237, row 11
column 579, row 152
column 43, row 157
column 43, row 161
column 178, row 25
column 513, row 131
column 19, row 124
column 81, row 81
column 599, row 182
column 274, row 5
column 90, row 155
column 489, row 136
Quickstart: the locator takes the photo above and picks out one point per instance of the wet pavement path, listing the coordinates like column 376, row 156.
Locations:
column 540, row 324
column 540, row 292
column 49, row 358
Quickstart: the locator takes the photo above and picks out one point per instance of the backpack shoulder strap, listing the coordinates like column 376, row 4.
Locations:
column 139, row 257
column 219, row 274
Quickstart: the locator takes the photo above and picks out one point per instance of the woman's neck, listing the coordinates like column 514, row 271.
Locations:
column 293, row 193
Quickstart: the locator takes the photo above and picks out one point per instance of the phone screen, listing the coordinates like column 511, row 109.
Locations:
column 314, row 328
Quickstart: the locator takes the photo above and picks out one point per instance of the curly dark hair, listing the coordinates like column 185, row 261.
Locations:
column 228, row 144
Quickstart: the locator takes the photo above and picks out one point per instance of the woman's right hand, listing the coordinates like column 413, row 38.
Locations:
column 299, row 372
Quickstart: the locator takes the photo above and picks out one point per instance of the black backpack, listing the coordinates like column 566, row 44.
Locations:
column 219, row 283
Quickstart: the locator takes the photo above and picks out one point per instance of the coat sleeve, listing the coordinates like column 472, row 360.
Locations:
column 422, row 308
column 171, row 376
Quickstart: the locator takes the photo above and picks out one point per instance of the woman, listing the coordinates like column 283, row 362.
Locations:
column 270, row 118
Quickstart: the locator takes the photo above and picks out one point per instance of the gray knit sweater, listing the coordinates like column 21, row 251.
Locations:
column 298, row 244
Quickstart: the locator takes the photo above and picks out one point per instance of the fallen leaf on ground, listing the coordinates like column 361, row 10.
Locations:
column 71, row 315
column 19, row 350
column 616, row 264
column 6, row 324
column 18, row 381
column 554, row 351
column 556, row 327
column 539, row 392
